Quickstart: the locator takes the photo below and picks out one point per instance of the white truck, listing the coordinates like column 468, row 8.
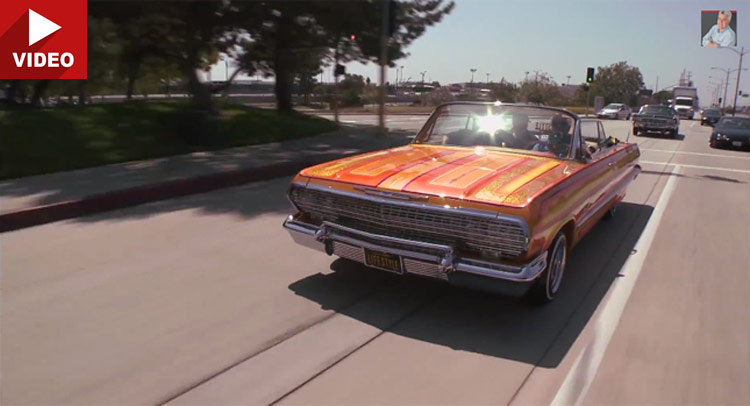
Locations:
column 685, row 101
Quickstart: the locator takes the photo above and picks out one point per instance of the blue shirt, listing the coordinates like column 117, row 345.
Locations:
column 723, row 38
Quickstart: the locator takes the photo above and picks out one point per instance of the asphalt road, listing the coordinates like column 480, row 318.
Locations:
column 205, row 300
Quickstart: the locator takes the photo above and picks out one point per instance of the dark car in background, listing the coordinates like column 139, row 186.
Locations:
column 710, row 116
column 656, row 118
column 731, row 132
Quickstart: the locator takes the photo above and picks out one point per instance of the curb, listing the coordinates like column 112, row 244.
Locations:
column 146, row 194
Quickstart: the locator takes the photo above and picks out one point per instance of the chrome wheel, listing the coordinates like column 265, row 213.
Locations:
column 556, row 267
column 546, row 286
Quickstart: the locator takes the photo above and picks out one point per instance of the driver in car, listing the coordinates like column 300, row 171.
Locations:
column 522, row 137
column 558, row 142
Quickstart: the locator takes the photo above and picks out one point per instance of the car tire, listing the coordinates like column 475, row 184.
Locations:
column 547, row 286
column 712, row 144
column 636, row 132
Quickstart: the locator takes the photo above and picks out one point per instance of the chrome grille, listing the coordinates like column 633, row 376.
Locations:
column 348, row 251
column 424, row 269
column 428, row 224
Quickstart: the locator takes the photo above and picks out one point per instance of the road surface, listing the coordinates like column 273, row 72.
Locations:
column 205, row 300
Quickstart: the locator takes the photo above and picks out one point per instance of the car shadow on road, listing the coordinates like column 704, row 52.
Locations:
column 504, row 326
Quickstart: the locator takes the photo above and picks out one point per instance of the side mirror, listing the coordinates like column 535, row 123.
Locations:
column 612, row 141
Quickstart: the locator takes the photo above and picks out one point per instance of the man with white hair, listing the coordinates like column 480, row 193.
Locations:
column 720, row 35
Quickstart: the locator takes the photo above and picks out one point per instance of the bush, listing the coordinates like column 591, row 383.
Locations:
column 351, row 98
column 439, row 96
column 196, row 127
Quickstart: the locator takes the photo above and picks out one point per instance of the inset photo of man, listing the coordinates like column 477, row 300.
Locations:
column 719, row 28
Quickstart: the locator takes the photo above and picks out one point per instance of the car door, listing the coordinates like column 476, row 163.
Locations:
column 597, row 175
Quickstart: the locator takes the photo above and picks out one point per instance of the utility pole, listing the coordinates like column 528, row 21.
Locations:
column 384, row 31
column 741, row 53
column 726, row 82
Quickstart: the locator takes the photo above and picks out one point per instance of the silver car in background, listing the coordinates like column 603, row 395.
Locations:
column 615, row 111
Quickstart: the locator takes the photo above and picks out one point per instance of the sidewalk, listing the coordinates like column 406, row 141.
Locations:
column 46, row 198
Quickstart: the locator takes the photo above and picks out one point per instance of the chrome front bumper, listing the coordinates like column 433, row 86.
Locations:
column 421, row 258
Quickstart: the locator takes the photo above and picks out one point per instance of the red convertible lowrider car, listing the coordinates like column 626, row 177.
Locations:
column 487, row 193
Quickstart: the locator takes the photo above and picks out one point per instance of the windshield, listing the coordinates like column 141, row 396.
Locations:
column 520, row 128
column 735, row 122
column 613, row 106
column 658, row 110
column 684, row 102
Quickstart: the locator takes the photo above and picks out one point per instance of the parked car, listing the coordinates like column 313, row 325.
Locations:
column 731, row 132
column 615, row 111
column 710, row 116
column 656, row 118
column 487, row 194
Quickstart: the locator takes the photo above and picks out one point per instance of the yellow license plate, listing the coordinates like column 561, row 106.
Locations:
column 382, row 260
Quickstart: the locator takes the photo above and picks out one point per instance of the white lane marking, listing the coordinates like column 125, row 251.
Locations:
column 582, row 374
column 695, row 153
column 708, row 168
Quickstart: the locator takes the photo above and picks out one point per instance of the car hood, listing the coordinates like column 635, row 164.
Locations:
column 733, row 132
column 651, row 115
column 487, row 175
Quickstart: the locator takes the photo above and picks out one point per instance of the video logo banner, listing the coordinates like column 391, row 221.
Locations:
column 43, row 39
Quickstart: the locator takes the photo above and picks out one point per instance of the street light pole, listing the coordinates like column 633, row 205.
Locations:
column 741, row 53
column 488, row 78
column 472, row 74
column 726, row 82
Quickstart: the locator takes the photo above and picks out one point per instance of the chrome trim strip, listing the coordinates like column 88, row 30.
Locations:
column 527, row 273
column 427, row 245
column 389, row 194
column 446, row 262
column 303, row 234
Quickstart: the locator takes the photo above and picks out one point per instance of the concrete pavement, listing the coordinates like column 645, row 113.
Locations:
column 205, row 300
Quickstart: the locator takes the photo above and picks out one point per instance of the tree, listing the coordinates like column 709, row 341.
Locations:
column 662, row 96
column 293, row 34
column 541, row 90
column 618, row 83
column 504, row 91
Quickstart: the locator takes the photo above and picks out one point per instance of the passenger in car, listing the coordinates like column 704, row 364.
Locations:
column 559, row 139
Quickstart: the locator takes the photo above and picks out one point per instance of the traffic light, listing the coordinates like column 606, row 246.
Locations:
column 352, row 37
column 340, row 70
column 740, row 92
column 719, row 100
column 589, row 75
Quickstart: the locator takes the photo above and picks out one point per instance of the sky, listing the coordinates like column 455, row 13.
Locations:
column 507, row 38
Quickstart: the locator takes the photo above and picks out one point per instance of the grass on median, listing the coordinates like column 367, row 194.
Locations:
column 38, row 141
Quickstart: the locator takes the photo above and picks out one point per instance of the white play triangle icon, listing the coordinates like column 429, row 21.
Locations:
column 39, row 27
